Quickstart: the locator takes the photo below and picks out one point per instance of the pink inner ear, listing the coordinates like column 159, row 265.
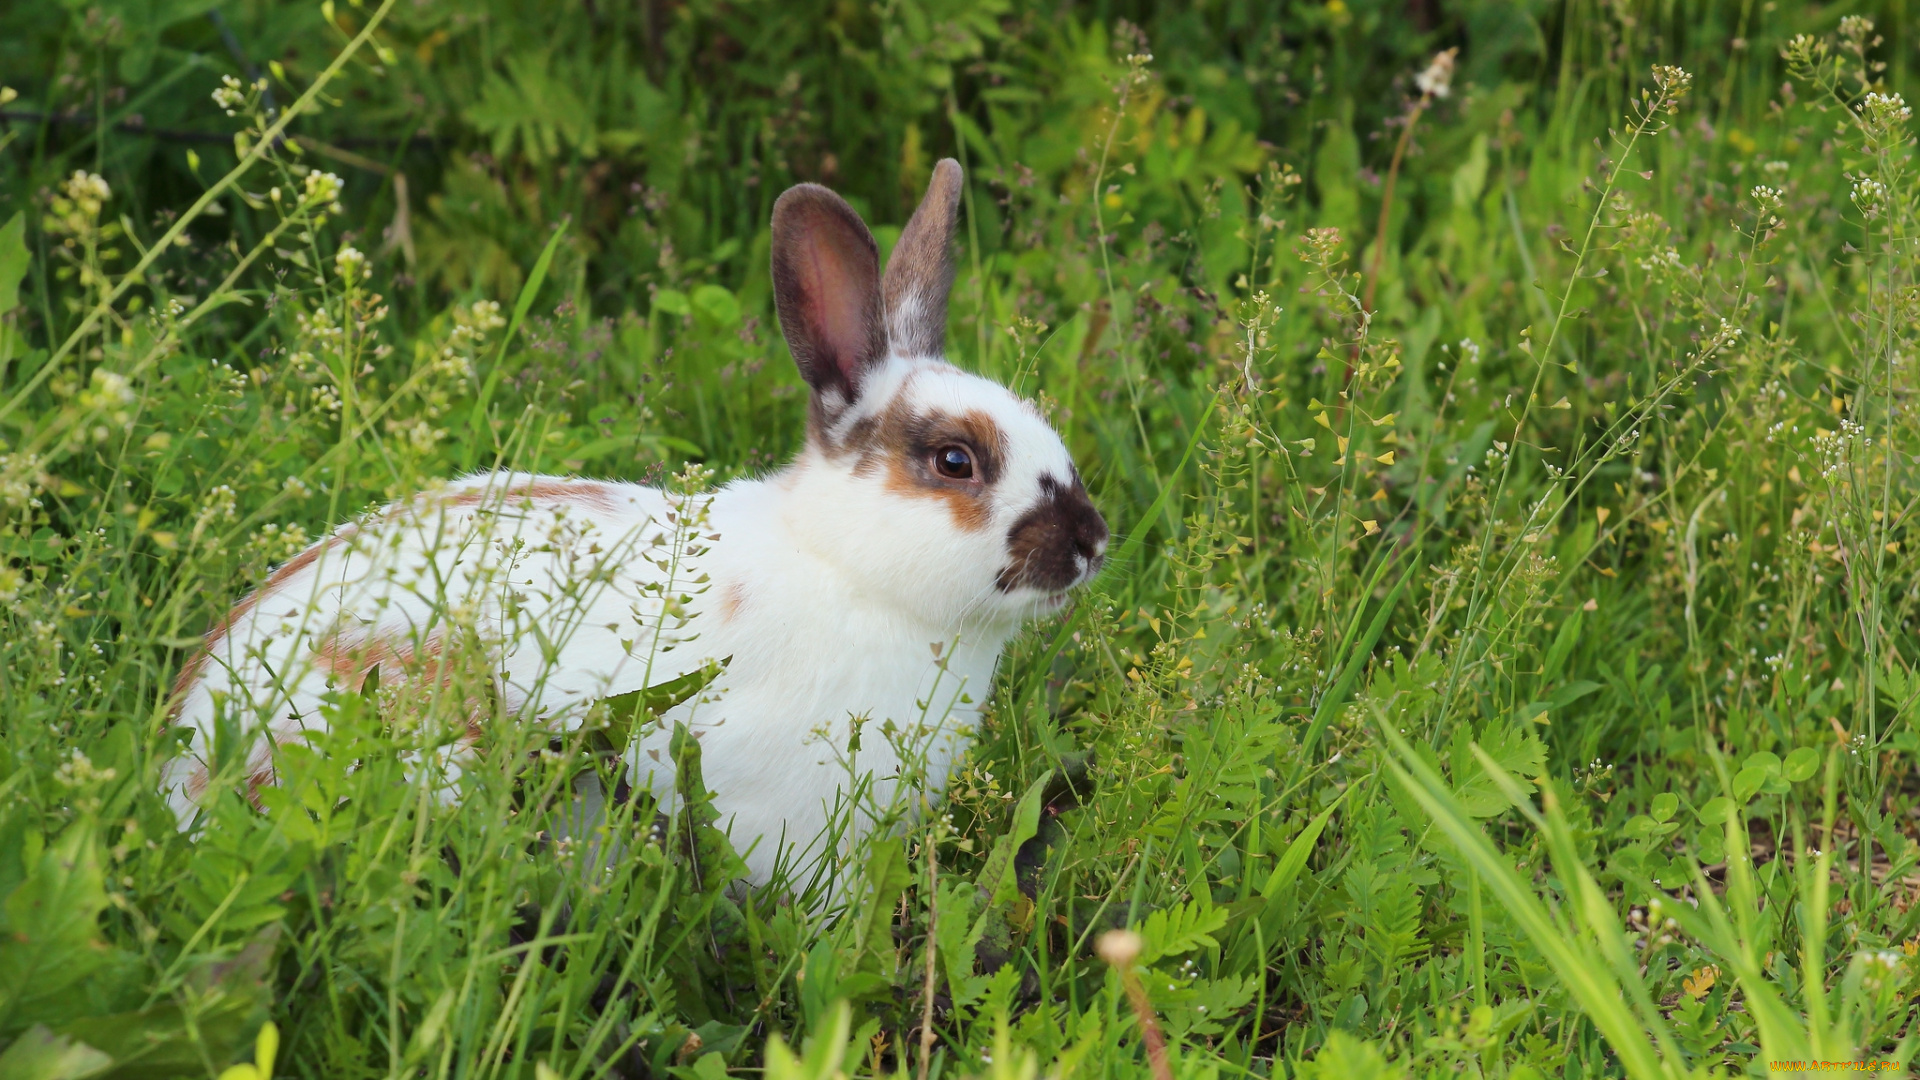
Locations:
column 838, row 295
column 826, row 285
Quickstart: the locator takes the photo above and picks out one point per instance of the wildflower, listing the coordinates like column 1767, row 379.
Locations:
column 323, row 189
column 1436, row 81
column 1803, row 50
column 1667, row 260
column 109, row 392
column 278, row 543
column 1323, row 242
column 418, row 433
column 1884, row 115
column 1870, row 196
column 88, row 192
column 1673, row 83
column 79, row 770
column 1119, row 948
column 351, row 264
column 111, row 387
column 1892, row 106
column 20, row 478
column 471, row 323
column 1700, row 982
column 229, row 95
column 221, row 502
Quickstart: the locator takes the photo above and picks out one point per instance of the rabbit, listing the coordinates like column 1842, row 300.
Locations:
column 874, row 578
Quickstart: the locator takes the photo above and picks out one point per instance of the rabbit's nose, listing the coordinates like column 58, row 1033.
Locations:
column 1089, row 537
column 1058, row 543
column 1091, row 549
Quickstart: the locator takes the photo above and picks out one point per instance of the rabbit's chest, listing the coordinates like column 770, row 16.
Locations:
column 831, row 699
column 824, row 680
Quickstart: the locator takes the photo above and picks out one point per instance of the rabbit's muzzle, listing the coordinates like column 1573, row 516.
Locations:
column 1057, row 544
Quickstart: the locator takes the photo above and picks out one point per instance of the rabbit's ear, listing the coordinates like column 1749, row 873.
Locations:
column 826, row 286
column 920, row 272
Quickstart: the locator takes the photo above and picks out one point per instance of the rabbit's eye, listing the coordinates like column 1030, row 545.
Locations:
column 953, row 462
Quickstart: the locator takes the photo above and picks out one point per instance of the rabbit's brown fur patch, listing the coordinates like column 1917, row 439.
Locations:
column 733, row 598
column 588, row 493
column 902, row 442
column 349, row 660
column 280, row 576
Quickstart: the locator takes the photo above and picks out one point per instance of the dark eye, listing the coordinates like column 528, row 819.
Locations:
column 953, row 462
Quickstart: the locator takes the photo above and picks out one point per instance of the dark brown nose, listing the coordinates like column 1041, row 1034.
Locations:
column 1057, row 544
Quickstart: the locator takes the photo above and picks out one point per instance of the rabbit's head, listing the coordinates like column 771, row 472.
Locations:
column 933, row 490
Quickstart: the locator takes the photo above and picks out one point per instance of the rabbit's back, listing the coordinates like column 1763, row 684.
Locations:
column 570, row 587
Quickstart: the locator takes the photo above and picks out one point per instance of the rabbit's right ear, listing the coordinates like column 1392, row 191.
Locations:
column 826, row 287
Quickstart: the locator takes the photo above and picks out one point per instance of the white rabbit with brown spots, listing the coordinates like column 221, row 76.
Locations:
column 877, row 576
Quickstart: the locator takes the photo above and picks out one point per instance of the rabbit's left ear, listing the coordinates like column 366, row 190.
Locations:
column 920, row 272
column 826, row 287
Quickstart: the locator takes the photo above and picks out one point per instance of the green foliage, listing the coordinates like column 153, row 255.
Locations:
column 1505, row 665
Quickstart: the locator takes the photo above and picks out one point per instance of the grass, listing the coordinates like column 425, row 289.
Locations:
column 1506, row 663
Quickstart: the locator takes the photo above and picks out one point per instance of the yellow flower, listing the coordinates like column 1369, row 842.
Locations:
column 1697, row 984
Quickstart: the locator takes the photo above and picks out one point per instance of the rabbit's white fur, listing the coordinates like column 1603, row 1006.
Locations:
column 844, row 585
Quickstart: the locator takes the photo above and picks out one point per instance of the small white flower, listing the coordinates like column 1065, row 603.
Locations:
column 229, row 95
column 1437, row 80
column 351, row 264
column 1673, row 81
column 1870, row 196
column 1888, row 106
column 88, row 191
column 112, row 387
column 1854, row 27
column 323, row 188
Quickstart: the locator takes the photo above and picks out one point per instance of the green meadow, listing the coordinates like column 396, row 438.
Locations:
column 1505, row 665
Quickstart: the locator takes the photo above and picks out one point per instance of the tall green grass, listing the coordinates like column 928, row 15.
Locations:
column 1505, row 665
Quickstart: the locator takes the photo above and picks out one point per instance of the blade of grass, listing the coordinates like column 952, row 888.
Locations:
column 1357, row 655
column 1294, row 859
column 1589, row 904
column 477, row 419
column 1592, row 985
